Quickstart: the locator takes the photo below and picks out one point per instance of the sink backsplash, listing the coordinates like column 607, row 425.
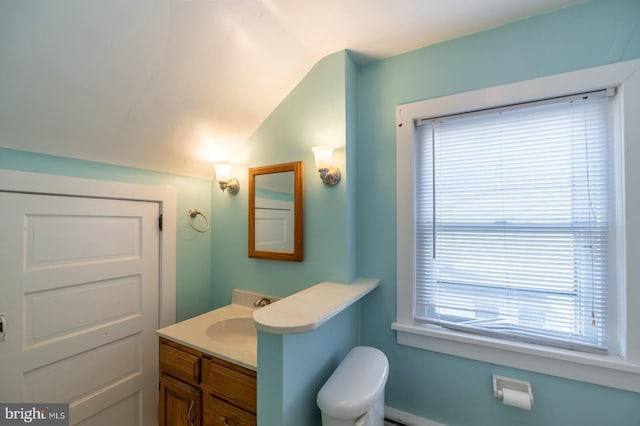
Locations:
column 246, row 298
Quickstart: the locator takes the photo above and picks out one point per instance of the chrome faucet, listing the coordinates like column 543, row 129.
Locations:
column 262, row 302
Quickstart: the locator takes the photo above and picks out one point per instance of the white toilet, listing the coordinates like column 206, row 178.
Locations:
column 354, row 394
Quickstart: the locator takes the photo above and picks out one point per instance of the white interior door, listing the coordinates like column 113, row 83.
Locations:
column 79, row 281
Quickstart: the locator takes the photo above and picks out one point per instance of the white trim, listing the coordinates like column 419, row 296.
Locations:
column 408, row 419
column 615, row 371
column 603, row 370
column 37, row 183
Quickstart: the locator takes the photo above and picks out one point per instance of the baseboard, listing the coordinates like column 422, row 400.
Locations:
column 407, row 418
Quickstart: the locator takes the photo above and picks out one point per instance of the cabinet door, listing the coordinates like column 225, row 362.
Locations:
column 179, row 403
column 217, row 412
column 232, row 383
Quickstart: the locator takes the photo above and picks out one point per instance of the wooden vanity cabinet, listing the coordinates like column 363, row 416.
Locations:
column 229, row 393
column 180, row 402
column 197, row 389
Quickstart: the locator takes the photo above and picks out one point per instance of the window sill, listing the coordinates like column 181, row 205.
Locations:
column 609, row 371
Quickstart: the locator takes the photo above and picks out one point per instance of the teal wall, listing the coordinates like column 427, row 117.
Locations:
column 294, row 367
column 314, row 113
column 351, row 123
column 444, row 388
column 309, row 359
column 270, row 379
column 193, row 274
column 319, row 111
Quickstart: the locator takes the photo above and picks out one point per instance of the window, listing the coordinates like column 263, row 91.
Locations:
column 512, row 209
column 493, row 267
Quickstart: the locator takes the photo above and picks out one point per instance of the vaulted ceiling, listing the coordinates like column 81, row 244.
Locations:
column 156, row 84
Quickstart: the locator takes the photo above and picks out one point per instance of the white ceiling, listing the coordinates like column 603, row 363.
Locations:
column 156, row 83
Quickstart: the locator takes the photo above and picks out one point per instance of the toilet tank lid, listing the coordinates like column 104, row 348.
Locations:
column 356, row 384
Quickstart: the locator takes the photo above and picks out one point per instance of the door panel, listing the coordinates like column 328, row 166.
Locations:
column 125, row 412
column 56, row 240
column 79, row 375
column 79, row 286
column 58, row 312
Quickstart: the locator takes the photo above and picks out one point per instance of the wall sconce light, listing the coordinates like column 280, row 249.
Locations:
column 226, row 182
column 329, row 174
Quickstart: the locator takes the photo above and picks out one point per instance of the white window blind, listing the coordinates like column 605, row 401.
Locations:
column 511, row 232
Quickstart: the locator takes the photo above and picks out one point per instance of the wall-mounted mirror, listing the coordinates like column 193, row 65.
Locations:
column 275, row 212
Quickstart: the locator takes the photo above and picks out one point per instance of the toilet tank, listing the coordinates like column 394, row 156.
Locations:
column 356, row 386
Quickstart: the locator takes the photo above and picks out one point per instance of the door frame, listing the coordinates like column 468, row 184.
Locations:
column 165, row 196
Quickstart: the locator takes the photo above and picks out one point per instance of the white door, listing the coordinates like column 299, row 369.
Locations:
column 79, row 288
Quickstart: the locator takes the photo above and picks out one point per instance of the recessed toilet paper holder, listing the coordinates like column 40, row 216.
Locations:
column 501, row 383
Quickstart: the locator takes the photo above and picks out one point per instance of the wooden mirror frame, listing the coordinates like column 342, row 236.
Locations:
column 297, row 254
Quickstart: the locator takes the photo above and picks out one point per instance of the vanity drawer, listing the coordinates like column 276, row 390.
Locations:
column 217, row 412
column 179, row 362
column 233, row 383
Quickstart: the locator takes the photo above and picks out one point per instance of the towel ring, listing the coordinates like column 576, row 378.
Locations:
column 193, row 213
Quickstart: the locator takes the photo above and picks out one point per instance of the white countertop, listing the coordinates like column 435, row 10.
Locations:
column 193, row 333
column 301, row 312
column 310, row 308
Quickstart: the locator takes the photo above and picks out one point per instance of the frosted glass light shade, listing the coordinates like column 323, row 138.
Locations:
column 329, row 174
column 323, row 156
column 226, row 182
column 223, row 172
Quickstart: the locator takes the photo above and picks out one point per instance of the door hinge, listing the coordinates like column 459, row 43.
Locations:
column 3, row 328
column 160, row 222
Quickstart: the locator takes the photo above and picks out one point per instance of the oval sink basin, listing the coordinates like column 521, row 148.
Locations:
column 233, row 330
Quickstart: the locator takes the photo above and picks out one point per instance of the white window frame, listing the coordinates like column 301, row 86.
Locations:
column 620, row 369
